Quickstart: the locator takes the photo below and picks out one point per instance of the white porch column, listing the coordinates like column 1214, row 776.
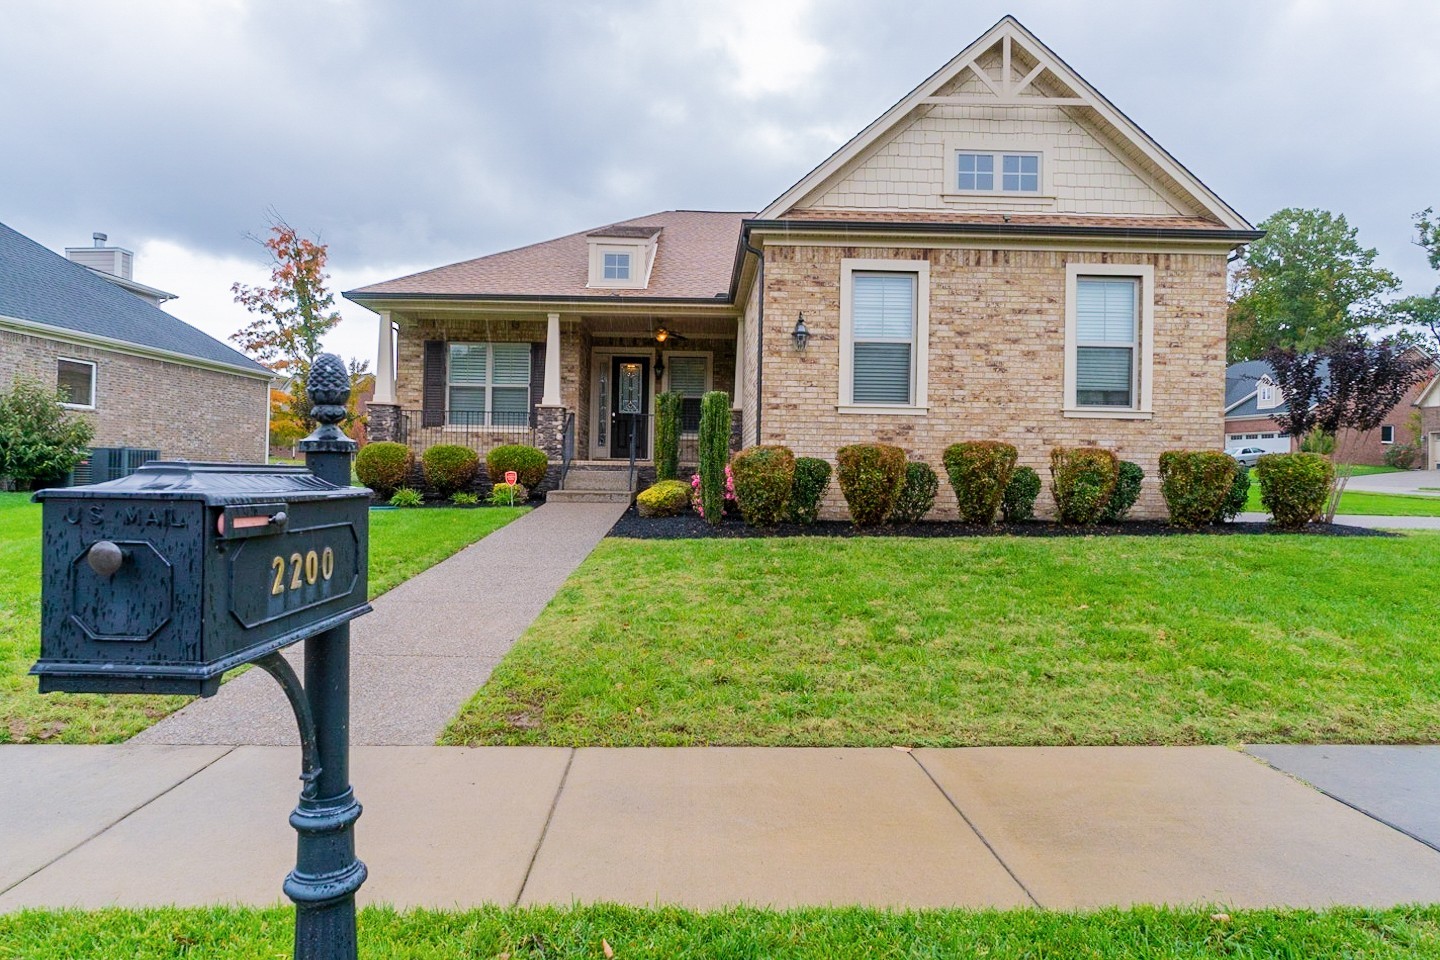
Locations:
column 385, row 362
column 552, row 364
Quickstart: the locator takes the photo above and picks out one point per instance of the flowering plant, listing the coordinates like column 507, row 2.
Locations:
column 695, row 491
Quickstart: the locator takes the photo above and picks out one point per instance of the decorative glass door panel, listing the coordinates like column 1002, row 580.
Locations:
column 629, row 406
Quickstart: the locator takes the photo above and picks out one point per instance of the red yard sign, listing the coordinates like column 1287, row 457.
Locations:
column 512, row 477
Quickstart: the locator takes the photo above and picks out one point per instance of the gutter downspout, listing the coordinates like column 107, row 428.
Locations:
column 759, row 333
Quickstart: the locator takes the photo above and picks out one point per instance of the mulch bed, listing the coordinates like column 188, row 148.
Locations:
column 690, row 526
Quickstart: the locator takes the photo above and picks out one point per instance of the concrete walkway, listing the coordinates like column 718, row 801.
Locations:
column 1422, row 483
column 1360, row 520
column 1061, row 828
column 427, row 647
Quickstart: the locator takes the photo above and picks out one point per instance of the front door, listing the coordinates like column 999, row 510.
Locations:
column 629, row 406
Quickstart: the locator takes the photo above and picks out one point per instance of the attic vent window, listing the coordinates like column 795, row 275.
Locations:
column 976, row 172
column 617, row 266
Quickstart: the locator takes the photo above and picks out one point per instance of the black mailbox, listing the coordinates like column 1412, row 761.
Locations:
column 161, row 581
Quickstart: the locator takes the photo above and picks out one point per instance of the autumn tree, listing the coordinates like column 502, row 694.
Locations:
column 292, row 314
column 1343, row 389
column 1307, row 282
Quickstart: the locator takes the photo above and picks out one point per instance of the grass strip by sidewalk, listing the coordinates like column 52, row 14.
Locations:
column 741, row 933
column 1360, row 503
column 1005, row 640
column 402, row 543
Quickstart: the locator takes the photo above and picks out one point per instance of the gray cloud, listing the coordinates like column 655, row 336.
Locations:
column 426, row 132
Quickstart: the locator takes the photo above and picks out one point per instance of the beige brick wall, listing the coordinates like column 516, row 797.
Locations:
column 184, row 412
column 996, row 358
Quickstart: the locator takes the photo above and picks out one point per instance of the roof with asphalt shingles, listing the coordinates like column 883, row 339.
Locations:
column 40, row 286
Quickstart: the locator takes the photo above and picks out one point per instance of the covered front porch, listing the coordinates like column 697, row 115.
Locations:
column 579, row 386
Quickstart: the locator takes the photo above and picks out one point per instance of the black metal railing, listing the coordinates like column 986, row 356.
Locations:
column 567, row 447
column 689, row 444
column 421, row 430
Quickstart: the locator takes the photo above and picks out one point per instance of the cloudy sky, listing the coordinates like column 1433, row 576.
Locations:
column 411, row 134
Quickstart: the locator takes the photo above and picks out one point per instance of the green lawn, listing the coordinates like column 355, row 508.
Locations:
column 402, row 543
column 1004, row 640
column 554, row 933
column 1359, row 503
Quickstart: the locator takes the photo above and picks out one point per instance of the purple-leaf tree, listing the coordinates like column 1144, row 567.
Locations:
column 1344, row 389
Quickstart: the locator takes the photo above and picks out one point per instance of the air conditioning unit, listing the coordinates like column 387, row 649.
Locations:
column 110, row 463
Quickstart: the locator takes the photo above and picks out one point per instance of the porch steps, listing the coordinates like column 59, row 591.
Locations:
column 594, row 483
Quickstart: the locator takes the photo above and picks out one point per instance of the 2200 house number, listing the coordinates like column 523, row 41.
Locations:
column 305, row 570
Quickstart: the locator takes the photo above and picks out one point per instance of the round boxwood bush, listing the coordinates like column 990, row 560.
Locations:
column 449, row 467
column 979, row 471
column 812, row 478
column 1128, row 478
column 1195, row 484
column 1018, row 504
column 763, row 478
column 667, row 498
column 1294, row 486
column 529, row 463
column 871, row 475
column 384, row 466
column 917, row 493
column 1081, row 481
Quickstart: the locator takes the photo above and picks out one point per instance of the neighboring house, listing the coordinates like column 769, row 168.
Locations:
column 1253, row 399
column 1002, row 255
column 1427, row 401
column 145, row 379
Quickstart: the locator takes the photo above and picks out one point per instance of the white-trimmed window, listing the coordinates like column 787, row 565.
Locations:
column 689, row 376
column 616, row 266
column 75, row 380
column 489, row 384
column 1387, row 433
column 999, row 171
column 884, row 338
column 1109, row 322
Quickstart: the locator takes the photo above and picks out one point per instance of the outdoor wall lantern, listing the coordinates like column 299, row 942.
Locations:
column 659, row 368
column 801, row 334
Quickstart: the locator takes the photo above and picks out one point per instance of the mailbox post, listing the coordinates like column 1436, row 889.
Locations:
column 162, row 581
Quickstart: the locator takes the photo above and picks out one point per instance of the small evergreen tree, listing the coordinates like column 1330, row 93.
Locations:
column 714, row 452
column 667, row 436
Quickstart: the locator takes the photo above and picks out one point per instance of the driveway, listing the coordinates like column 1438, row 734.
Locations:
column 1424, row 483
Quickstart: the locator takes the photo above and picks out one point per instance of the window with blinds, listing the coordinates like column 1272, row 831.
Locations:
column 489, row 384
column 689, row 377
column 1107, row 334
column 882, row 328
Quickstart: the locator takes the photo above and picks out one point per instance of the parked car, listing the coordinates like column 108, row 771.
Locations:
column 1247, row 456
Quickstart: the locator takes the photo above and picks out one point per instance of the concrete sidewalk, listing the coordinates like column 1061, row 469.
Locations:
column 1419, row 483
column 427, row 647
column 1057, row 827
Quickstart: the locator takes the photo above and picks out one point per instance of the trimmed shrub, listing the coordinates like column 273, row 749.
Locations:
column 917, row 493
column 763, row 477
column 1294, row 486
column 1403, row 455
column 40, row 440
column 529, row 463
column 1238, row 496
column 406, row 497
column 1081, row 481
column 1128, row 478
column 384, row 467
column 508, row 494
column 667, row 436
column 714, row 453
column 1195, row 484
column 449, row 467
column 871, row 475
column 812, row 478
column 665, row 498
column 1018, row 504
column 979, row 471
column 465, row 498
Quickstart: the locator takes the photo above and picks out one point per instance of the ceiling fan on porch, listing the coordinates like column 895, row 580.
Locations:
column 663, row 335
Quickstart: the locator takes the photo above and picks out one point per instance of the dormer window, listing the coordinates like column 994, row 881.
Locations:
column 617, row 266
column 1267, row 396
column 622, row 256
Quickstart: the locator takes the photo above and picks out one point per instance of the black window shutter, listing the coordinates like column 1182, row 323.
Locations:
column 537, row 379
column 433, row 392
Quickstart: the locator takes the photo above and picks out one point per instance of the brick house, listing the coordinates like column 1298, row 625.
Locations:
column 1002, row 255
column 146, row 380
column 1253, row 398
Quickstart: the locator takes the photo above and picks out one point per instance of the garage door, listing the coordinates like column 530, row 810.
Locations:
column 1269, row 442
